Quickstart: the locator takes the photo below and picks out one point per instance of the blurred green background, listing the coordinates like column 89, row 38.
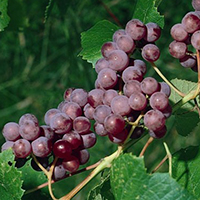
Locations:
column 39, row 61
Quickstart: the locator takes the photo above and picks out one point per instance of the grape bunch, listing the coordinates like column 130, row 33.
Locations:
column 122, row 93
column 186, row 34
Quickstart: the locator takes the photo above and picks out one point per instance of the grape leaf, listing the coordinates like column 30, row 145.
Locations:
column 146, row 11
column 93, row 39
column 129, row 180
column 4, row 18
column 186, row 169
column 101, row 191
column 10, row 177
column 186, row 118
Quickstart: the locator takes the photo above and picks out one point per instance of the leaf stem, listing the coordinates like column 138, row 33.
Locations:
column 165, row 79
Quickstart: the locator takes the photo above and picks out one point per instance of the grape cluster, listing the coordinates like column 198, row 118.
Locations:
column 185, row 34
column 120, row 96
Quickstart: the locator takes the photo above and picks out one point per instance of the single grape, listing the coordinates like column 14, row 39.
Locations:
column 27, row 117
column 118, row 34
column 159, row 101
column 61, row 123
column 179, row 33
column 130, row 87
column 188, row 61
column 81, row 125
column 154, row 120
column 118, row 60
column 47, row 132
column 89, row 140
column 100, row 129
column 7, row 145
column 153, row 32
column 95, row 97
column 119, row 138
column 59, row 172
column 149, row 85
column 102, row 63
column 107, row 78
column 101, row 112
column 137, row 101
column 125, row 43
column 83, row 156
column 107, row 48
column 164, row 87
column 21, row 148
column 49, row 114
column 79, row 96
column 29, row 130
column 108, row 96
column 11, row 131
column 177, row 49
column 196, row 4
column 62, row 148
column 73, row 138
column 62, row 104
column 150, row 52
column 195, row 40
column 167, row 111
column 136, row 29
column 114, row 124
column 88, row 111
column 68, row 93
column 191, row 22
column 72, row 109
column 119, row 105
column 41, row 147
column 71, row 164
column 158, row 134
column 141, row 65
column 132, row 73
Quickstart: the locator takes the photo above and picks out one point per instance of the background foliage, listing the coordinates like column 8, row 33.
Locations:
column 40, row 60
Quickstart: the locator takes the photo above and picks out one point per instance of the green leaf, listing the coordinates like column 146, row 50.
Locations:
column 4, row 18
column 186, row 169
column 186, row 118
column 129, row 180
column 146, row 11
column 93, row 39
column 10, row 177
column 101, row 191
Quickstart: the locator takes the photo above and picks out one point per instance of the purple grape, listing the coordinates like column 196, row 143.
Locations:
column 196, row 4
column 47, row 132
column 153, row 32
column 150, row 52
column 73, row 138
column 41, row 147
column 68, row 93
column 179, row 33
column 154, row 120
column 137, row 133
column 114, row 124
column 59, row 172
column 158, row 134
column 72, row 109
column 101, row 112
column 62, row 104
column 88, row 111
column 130, row 87
column 7, row 145
column 141, row 65
column 137, row 101
column 95, row 97
column 149, row 85
column 159, row 101
column 79, row 96
column 118, row 60
column 191, row 22
column 167, row 111
column 108, row 96
column 107, row 48
column 164, row 87
column 119, row 105
column 49, row 114
column 27, row 117
column 62, row 148
column 102, row 63
column 100, row 129
column 132, row 73
column 119, row 138
column 178, row 49
column 89, row 140
column 125, row 43
column 195, row 40
column 188, row 61
column 11, row 131
column 107, row 78
column 136, row 29
column 81, row 125
column 21, row 148
column 71, row 164
column 118, row 34
column 83, row 156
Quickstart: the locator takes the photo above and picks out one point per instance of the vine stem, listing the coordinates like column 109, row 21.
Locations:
column 198, row 65
column 105, row 163
column 160, row 164
column 150, row 140
column 169, row 157
column 165, row 79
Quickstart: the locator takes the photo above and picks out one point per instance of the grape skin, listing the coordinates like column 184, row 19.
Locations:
column 178, row 49
column 150, row 52
column 195, row 40
column 153, row 32
column 21, row 148
column 11, row 131
column 137, row 101
column 196, row 4
column 179, row 33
